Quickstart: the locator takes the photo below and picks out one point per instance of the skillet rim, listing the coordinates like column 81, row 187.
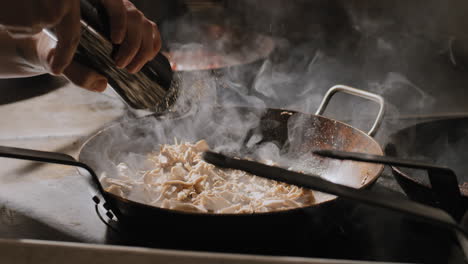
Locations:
column 369, row 183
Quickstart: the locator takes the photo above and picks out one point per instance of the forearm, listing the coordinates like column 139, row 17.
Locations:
column 18, row 57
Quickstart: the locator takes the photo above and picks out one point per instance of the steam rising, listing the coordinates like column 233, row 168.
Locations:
column 295, row 76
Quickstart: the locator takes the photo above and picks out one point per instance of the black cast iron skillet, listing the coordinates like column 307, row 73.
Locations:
column 294, row 134
column 443, row 142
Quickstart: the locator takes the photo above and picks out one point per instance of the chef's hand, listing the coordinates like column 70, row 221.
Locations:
column 138, row 37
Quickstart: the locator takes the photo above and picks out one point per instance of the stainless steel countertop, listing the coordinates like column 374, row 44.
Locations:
column 29, row 251
column 53, row 202
column 43, row 201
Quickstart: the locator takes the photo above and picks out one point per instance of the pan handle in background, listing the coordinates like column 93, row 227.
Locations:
column 443, row 180
column 55, row 158
column 441, row 177
column 353, row 91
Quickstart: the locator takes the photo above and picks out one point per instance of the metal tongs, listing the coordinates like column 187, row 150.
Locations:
column 416, row 210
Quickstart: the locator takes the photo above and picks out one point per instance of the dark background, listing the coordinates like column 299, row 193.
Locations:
column 411, row 52
column 414, row 53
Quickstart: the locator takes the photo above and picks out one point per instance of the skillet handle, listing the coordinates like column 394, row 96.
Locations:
column 51, row 157
column 353, row 91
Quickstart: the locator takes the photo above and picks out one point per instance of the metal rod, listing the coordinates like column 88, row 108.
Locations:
column 364, row 157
